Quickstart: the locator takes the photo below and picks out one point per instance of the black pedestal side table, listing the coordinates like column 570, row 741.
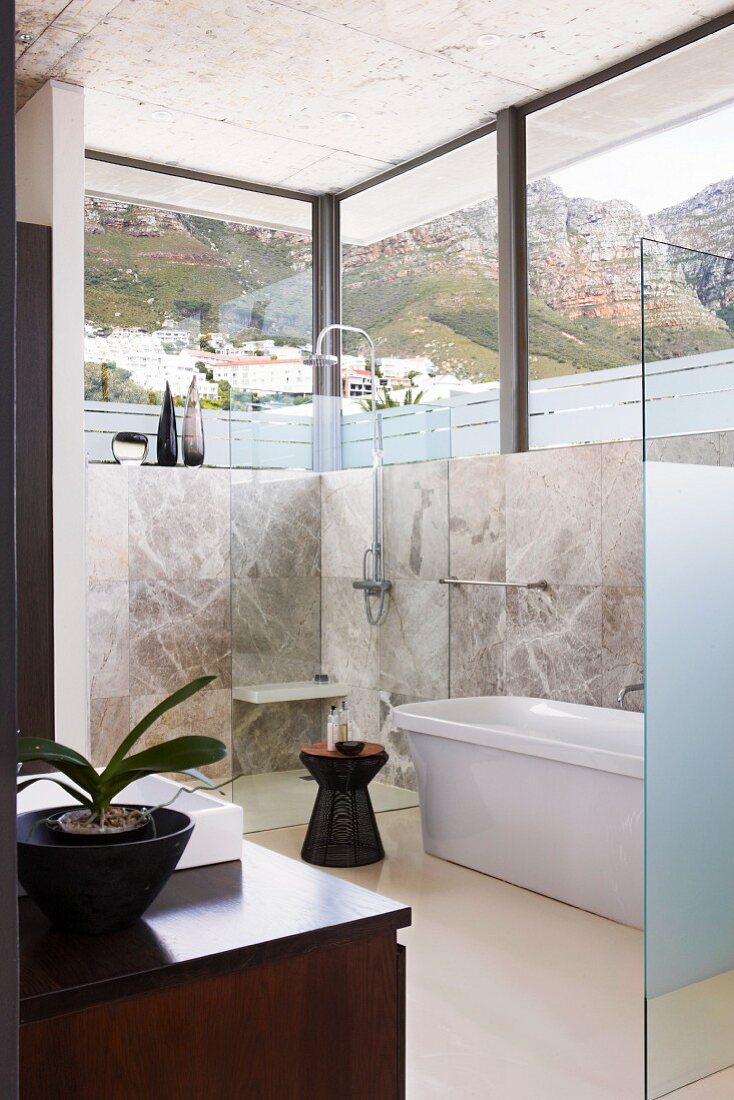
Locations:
column 342, row 831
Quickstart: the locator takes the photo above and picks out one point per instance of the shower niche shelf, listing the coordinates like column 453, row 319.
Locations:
column 286, row 693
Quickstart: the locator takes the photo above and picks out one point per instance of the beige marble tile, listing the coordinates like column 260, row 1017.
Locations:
column 701, row 449
column 726, row 448
column 109, row 724
column 208, row 713
column 268, row 738
column 414, row 654
column 346, row 521
column 554, row 644
column 553, row 503
column 276, row 518
column 399, row 770
column 477, row 517
column 364, row 714
column 622, row 656
column 277, row 621
column 107, row 522
column 477, row 635
column 416, row 520
column 349, row 645
column 178, row 631
column 108, row 624
column 621, row 513
column 179, row 524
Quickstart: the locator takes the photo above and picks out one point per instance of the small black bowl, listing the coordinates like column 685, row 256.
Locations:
column 349, row 748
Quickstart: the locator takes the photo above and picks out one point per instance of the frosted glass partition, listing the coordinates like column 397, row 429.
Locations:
column 689, row 660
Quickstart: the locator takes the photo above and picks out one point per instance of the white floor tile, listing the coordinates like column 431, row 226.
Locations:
column 511, row 996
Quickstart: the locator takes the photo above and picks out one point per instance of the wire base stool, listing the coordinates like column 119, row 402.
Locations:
column 343, row 829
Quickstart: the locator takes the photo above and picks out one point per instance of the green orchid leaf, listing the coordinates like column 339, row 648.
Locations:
column 73, row 765
column 178, row 755
column 152, row 716
column 77, row 795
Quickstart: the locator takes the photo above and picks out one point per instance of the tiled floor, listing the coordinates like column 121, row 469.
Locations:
column 511, row 996
column 720, row 1086
column 275, row 800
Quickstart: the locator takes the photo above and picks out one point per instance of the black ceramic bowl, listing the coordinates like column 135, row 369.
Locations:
column 98, row 887
column 349, row 748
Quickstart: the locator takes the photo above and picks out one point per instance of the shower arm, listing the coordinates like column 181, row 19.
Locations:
column 373, row 582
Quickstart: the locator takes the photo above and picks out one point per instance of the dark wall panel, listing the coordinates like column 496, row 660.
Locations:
column 33, row 482
column 8, row 906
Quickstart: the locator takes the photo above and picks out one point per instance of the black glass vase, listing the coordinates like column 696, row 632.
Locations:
column 167, row 450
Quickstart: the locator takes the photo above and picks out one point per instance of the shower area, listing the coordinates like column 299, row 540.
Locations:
column 308, row 606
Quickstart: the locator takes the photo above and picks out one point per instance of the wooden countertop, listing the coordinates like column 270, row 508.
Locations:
column 207, row 921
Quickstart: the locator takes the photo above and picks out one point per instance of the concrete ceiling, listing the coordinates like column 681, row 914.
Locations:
column 254, row 87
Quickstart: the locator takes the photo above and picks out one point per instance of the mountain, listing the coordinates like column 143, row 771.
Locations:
column 433, row 290
column 145, row 266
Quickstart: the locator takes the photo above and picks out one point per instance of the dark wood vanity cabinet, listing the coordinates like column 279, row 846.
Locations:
column 269, row 981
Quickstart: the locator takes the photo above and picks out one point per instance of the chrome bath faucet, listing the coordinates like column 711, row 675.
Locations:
column 626, row 691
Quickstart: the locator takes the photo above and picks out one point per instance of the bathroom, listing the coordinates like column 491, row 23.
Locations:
column 462, row 428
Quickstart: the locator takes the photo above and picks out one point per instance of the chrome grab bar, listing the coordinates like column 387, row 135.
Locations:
column 496, row 584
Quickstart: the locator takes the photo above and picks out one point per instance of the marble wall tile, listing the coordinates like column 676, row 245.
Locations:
column 109, row 723
column 269, row 738
column 349, row 645
column 621, row 513
column 399, row 770
column 553, row 503
column 477, row 635
column 413, row 640
column 277, row 621
column 622, row 646
column 554, row 643
column 178, row 631
column 271, row 668
column 208, row 713
column 364, row 713
column 179, row 524
column 107, row 522
column 346, row 521
column 477, row 517
column 276, row 525
column 109, row 639
column 726, row 448
column 416, row 520
column 701, row 449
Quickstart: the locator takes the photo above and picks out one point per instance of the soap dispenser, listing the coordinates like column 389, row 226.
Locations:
column 332, row 729
column 344, row 722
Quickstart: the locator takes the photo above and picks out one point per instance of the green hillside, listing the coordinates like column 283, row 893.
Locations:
column 187, row 268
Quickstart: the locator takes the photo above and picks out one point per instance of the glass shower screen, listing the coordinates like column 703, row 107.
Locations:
column 688, row 378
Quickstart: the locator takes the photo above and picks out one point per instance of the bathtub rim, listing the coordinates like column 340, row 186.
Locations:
column 415, row 718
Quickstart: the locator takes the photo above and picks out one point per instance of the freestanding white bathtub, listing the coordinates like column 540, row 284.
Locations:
column 546, row 795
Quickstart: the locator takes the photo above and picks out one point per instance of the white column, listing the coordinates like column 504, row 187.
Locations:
column 50, row 179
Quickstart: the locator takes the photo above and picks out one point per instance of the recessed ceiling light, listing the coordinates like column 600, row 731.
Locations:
column 161, row 116
column 24, row 37
column 489, row 40
column 346, row 116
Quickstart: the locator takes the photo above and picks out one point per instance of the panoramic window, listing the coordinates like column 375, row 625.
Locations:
column 645, row 156
column 419, row 273
column 172, row 295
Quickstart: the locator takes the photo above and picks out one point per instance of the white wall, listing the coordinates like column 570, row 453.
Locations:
column 50, row 180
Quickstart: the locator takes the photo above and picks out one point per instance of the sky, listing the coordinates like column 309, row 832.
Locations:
column 661, row 170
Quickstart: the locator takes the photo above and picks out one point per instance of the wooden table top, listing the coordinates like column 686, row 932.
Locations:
column 206, row 922
column 320, row 749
